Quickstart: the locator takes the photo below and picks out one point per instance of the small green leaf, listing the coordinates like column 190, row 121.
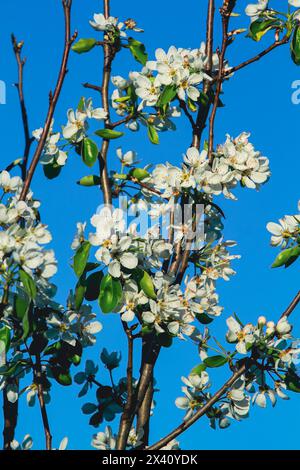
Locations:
column 93, row 283
column 80, row 290
column 110, row 293
column 215, row 361
column 27, row 322
column 89, row 180
column 21, row 303
column 292, row 381
column 295, row 46
column 286, row 257
column 63, row 377
column 52, row 170
column 145, row 282
column 197, row 370
column 203, row 318
column 84, row 45
column 260, row 27
column 139, row 173
column 168, row 94
column 81, row 257
column 153, row 135
column 5, row 337
column 138, row 50
column 109, row 134
column 28, row 284
column 89, row 152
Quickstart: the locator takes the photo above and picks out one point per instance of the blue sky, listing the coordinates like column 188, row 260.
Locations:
column 257, row 99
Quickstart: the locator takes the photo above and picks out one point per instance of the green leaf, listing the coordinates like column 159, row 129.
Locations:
column 27, row 322
column 52, row 170
column 81, row 257
column 80, row 105
column 260, row 27
column 295, row 46
column 215, row 361
column 286, row 257
column 203, row 318
column 168, row 94
column 165, row 340
column 21, row 303
column 109, row 134
column 89, row 180
column 292, row 381
column 5, row 337
column 89, row 152
column 197, row 370
column 145, row 282
column 139, row 173
column 28, row 284
column 153, row 135
column 84, row 45
column 191, row 105
column 138, row 50
column 93, row 283
column 110, row 293
column 63, row 377
column 80, row 290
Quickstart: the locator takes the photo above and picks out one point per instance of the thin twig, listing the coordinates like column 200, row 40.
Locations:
column 266, row 51
column 202, row 411
column 225, row 14
column 92, row 87
column 17, row 47
column 53, row 98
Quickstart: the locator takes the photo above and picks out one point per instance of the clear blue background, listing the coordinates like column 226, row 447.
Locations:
column 257, row 99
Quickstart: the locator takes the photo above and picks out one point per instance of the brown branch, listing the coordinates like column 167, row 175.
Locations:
column 266, row 51
column 53, row 98
column 149, row 357
column 17, row 47
column 202, row 411
column 143, row 419
column 186, row 424
column 109, row 54
column 125, row 422
column 121, row 121
column 292, row 306
column 210, row 34
column 38, row 381
column 183, row 106
column 225, row 14
column 92, row 87
column 204, row 108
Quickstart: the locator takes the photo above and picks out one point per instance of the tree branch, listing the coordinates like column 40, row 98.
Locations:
column 38, row 381
column 53, row 98
column 17, row 47
column 266, row 51
column 225, row 11
column 109, row 54
column 202, row 411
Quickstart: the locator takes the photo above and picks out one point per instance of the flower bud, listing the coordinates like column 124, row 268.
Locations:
column 283, row 327
column 261, row 321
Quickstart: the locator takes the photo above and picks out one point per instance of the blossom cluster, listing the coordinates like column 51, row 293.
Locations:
column 287, row 231
column 262, row 9
column 271, row 371
column 57, row 145
column 22, row 236
column 235, row 162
